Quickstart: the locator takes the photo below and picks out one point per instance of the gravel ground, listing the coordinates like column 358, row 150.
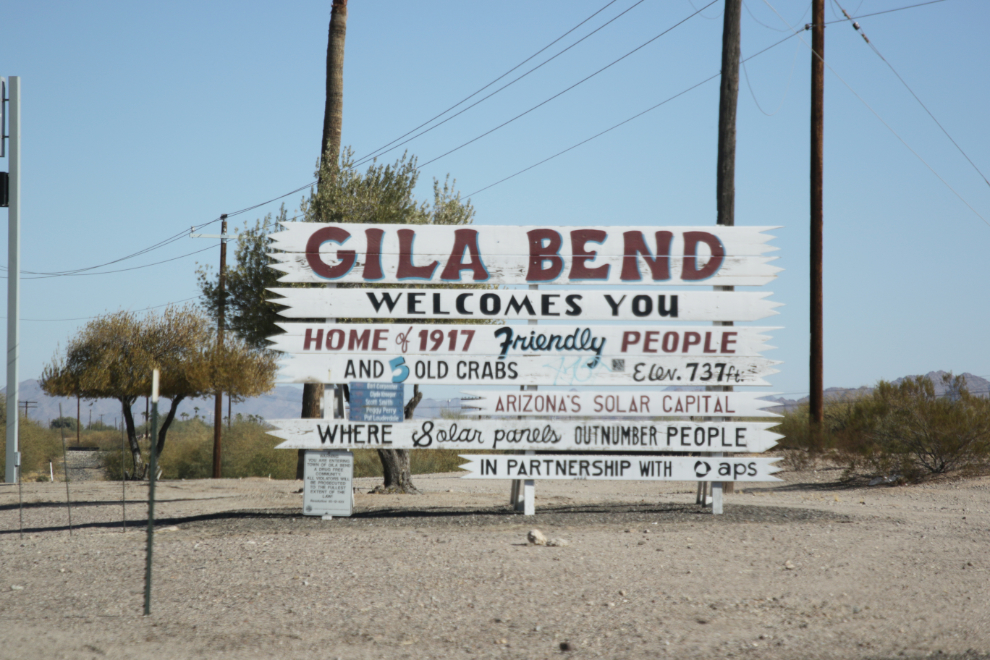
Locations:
column 806, row 568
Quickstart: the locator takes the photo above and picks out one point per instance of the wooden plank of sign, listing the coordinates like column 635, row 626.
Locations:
column 567, row 304
column 315, row 253
column 510, row 341
column 555, row 435
column 619, row 468
column 617, row 404
column 529, row 370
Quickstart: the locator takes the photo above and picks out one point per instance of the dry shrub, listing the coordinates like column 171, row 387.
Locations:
column 904, row 429
column 246, row 451
column 799, row 436
column 908, row 429
column 38, row 446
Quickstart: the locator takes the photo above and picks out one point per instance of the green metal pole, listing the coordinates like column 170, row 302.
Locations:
column 151, row 493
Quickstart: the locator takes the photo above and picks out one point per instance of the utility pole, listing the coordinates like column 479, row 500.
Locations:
column 725, row 180
column 27, row 406
column 727, row 101
column 816, row 360
column 79, row 424
column 13, row 456
column 218, row 408
column 218, row 403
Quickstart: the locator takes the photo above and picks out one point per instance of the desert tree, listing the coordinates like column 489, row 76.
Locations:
column 113, row 356
column 379, row 194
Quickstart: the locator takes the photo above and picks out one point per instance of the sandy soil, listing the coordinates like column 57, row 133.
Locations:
column 807, row 568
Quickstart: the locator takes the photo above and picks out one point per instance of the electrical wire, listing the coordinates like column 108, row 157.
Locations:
column 119, row 270
column 621, row 123
column 379, row 151
column 877, row 115
column 562, row 92
column 250, row 208
column 708, row 18
column 908, row 87
column 787, row 89
column 273, row 199
column 770, row 27
column 886, row 11
column 87, row 318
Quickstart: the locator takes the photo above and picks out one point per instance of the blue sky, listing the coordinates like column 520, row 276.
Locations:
column 142, row 119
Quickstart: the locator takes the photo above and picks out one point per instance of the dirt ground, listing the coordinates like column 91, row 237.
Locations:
column 806, row 568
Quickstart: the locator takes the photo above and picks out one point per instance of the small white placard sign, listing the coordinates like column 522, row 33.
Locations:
column 329, row 479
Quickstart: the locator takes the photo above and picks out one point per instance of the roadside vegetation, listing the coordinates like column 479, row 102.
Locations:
column 900, row 433
column 248, row 451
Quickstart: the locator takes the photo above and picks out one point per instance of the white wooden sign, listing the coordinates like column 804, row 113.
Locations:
column 533, row 370
column 328, row 482
column 619, row 468
column 318, row 253
column 510, row 341
column 617, row 404
column 556, row 435
column 554, row 304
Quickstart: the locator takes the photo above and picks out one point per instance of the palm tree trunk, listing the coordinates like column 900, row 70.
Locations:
column 333, row 121
column 333, row 112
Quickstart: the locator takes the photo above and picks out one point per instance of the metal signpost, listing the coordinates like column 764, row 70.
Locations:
column 13, row 456
column 642, row 350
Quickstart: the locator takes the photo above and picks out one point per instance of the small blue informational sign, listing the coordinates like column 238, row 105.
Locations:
column 376, row 402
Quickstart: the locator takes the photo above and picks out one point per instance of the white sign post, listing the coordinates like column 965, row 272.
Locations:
column 328, row 484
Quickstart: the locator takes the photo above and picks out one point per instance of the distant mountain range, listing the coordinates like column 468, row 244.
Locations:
column 976, row 385
column 284, row 402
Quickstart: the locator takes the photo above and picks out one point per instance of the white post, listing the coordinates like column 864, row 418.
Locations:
column 523, row 496
column 529, row 492
column 12, row 473
column 717, row 492
column 717, row 485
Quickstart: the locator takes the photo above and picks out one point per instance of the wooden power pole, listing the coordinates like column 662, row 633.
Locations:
column 727, row 102
column 725, row 180
column 816, row 361
column 218, row 404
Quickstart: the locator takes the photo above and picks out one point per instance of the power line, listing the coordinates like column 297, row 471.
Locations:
column 908, row 87
column 119, row 270
column 561, row 93
column 274, row 199
column 790, row 77
column 621, row 123
column 877, row 115
column 312, row 183
column 375, row 153
column 87, row 318
column 770, row 27
column 877, row 13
